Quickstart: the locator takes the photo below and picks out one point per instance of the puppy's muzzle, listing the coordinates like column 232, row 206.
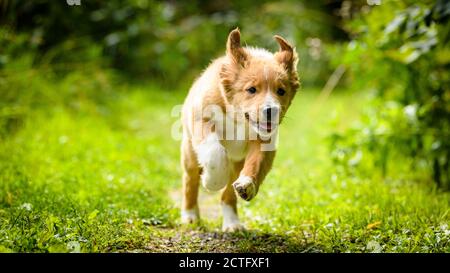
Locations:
column 271, row 113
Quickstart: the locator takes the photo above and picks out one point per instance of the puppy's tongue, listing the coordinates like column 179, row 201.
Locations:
column 266, row 126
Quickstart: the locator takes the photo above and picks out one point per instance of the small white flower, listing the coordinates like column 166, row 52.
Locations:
column 26, row 206
column 445, row 229
column 374, row 247
column 74, row 247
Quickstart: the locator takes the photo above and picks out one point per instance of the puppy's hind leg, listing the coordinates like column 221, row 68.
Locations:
column 191, row 178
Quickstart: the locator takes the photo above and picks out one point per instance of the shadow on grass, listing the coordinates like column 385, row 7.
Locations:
column 250, row 241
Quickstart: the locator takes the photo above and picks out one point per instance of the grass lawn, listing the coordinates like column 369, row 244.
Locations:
column 90, row 177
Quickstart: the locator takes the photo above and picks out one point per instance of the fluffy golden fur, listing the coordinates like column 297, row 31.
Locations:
column 249, row 89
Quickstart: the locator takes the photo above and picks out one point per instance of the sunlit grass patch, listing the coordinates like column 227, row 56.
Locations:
column 98, row 177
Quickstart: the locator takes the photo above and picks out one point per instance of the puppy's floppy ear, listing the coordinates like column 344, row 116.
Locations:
column 289, row 59
column 286, row 55
column 234, row 49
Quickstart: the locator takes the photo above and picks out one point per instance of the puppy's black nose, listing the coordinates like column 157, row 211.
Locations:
column 270, row 112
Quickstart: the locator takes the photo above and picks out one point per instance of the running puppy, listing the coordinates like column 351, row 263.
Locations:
column 230, row 119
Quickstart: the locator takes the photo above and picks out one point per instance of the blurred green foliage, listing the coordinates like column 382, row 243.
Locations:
column 168, row 41
column 405, row 50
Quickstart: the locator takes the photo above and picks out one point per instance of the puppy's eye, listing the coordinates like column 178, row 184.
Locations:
column 251, row 90
column 281, row 91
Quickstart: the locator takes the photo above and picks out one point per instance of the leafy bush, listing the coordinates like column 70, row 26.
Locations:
column 406, row 58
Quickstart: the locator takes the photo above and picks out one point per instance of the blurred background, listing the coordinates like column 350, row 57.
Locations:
column 167, row 41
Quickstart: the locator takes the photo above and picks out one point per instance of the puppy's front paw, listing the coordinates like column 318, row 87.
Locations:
column 231, row 221
column 245, row 187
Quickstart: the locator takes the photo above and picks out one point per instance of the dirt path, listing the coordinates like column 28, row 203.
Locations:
column 210, row 238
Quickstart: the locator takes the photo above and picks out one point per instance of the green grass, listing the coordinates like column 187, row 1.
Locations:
column 81, row 175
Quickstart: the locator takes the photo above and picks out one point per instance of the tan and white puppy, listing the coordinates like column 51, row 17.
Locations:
column 230, row 119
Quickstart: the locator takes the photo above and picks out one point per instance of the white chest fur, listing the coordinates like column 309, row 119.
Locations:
column 234, row 139
column 236, row 146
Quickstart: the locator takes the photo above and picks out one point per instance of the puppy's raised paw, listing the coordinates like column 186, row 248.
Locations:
column 245, row 187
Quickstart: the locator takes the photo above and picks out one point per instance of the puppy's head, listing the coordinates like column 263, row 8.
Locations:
column 259, row 83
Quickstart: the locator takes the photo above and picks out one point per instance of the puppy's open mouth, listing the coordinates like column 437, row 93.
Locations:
column 261, row 126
